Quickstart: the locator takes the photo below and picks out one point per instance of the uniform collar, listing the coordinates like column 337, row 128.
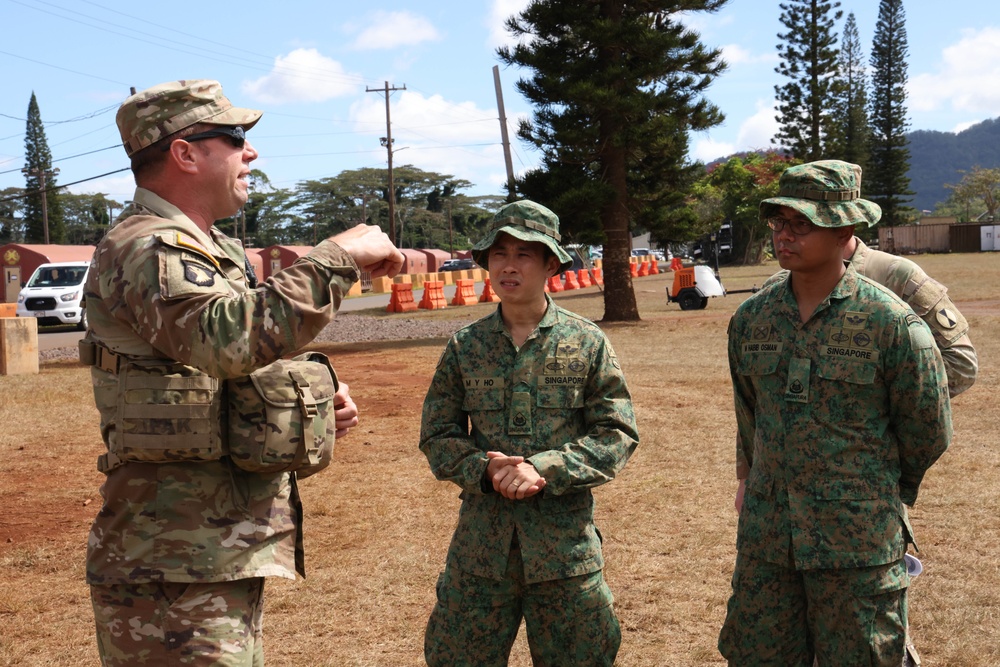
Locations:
column 157, row 204
column 549, row 319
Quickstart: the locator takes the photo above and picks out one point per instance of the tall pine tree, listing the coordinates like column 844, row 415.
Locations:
column 616, row 85
column 808, row 53
column 887, row 183
column 38, row 168
column 849, row 140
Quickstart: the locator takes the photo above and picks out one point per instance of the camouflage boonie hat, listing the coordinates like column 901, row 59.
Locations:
column 148, row 116
column 828, row 192
column 527, row 221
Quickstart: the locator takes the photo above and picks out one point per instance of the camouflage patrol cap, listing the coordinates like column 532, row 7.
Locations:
column 150, row 115
column 828, row 192
column 527, row 221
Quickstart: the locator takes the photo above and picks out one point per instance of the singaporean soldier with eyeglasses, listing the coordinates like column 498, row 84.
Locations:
column 177, row 554
column 841, row 407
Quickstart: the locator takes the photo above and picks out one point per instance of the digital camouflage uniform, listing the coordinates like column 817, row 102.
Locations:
column 560, row 401
column 838, row 419
column 177, row 553
column 929, row 299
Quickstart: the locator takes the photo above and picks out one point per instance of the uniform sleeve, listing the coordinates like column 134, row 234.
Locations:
column 608, row 438
column 744, row 398
column 919, row 407
column 184, row 305
column 444, row 428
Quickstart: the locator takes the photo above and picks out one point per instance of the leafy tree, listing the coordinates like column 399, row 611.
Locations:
column 268, row 212
column 849, row 137
column 980, row 188
column 11, row 222
column 808, row 55
column 737, row 188
column 887, row 182
column 616, row 86
column 38, row 166
column 87, row 217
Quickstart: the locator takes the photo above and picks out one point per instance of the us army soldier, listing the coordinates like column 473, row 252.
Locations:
column 177, row 555
column 841, row 407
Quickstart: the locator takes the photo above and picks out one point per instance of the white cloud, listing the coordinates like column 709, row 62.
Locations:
column 757, row 130
column 436, row 134
column 754, row 133
column 962, row 127
column 304, row 75
column 735, row 54
column 390, row 30
column 968, row 77
column 706, row 150
column 500, row 11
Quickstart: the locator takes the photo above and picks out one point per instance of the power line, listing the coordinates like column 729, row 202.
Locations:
column 65, row 185
column 70, row 157
column 88, row 116
column 65, row 69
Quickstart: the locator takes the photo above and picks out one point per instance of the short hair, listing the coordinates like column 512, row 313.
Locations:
column 155, row 154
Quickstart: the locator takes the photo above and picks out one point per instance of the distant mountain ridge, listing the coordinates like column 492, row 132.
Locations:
column 937, row 157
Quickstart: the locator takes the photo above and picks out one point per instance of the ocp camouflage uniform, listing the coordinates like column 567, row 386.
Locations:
column 161, row 293
column 839, row 418
column 561, row 402
column 929, row 299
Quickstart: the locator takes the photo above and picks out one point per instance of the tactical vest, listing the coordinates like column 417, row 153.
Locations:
column 155, row 410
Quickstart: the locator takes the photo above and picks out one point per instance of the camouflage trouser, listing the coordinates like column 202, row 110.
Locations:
column 570, row 622
column 180, row 624
column 785, row 617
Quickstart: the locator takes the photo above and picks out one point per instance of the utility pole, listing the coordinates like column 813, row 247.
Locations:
column 503, row 135
column 40, row 174
column 387, row 142
column 451, row 237
column 364, row 207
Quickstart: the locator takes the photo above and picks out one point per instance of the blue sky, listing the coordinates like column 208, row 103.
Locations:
column 308, row 64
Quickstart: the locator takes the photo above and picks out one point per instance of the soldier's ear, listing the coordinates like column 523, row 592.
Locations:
column 184, row 156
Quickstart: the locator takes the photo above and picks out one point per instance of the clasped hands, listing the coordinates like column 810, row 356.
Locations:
column 512, row 476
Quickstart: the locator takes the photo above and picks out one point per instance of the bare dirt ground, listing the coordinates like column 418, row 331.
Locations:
column 378, row 524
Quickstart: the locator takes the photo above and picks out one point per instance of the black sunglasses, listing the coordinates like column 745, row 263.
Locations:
column 236, row 134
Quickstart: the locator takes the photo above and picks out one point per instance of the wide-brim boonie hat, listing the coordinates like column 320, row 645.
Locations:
column 828, row 192
column 157, row 112
column 527, row 221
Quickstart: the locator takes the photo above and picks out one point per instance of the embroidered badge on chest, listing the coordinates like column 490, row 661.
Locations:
column 797, row 389
column 198, row 274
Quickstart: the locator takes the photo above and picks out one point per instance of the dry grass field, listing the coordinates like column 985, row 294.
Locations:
column 378, row 524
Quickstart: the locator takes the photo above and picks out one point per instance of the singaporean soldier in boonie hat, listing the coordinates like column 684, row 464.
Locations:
column 152, row 114
column 827, row 192
column 527, row 221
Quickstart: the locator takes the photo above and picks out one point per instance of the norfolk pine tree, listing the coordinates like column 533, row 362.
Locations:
column 616, row 85
column 887, row 183
column 38, row 159
column 808, row 55
column 849, row 140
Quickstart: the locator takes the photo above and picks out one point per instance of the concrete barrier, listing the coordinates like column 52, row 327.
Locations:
column 18, row 346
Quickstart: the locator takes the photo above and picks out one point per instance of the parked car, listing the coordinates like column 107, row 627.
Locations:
column 54, row 294
column 458, row 265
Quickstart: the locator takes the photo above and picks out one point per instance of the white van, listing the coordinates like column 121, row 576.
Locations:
column 55, row 294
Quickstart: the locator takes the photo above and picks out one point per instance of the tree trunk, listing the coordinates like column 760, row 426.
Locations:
column 619, row 296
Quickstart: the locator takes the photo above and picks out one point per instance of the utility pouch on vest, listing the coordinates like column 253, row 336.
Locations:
column 281, row 417
column 166, row 413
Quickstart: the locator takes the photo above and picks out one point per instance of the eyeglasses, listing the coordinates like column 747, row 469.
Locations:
column 236, row 134
column 797, row 226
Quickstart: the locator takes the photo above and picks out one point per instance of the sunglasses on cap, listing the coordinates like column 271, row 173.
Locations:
column 236, row 134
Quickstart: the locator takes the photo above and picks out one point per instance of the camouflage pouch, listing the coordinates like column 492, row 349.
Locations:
column 166, row 413
column 281, row 416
